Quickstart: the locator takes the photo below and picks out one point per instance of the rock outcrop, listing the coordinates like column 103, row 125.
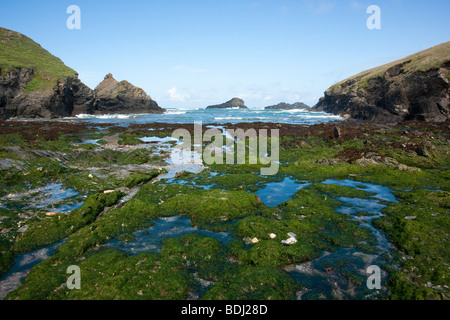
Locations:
column 287, row 106
column 413, row 88
column 36, row 84
column 63, row 100
column 111, row 96
column 234, row 103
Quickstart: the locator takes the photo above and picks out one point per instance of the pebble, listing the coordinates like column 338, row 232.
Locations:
column 272, row 236
column 255, row 240
column 292, row 235
column 411, row 218
column 108, row 191
column 289, row 241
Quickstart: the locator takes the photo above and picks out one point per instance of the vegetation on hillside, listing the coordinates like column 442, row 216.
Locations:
column 18, row 51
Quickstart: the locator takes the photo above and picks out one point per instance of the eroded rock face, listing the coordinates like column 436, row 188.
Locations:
column 233, row 103
column 111, row 96
column 70, row 98
column 60, row 101
column 397, row 94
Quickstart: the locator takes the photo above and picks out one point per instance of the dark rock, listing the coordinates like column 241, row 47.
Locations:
column 287, row 106
column 421, row 151
column 337, row 132
column 60, row 101
column 232, row 104
column 36, row 84
column 112, row 96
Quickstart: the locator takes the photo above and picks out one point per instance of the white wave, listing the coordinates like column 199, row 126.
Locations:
column 290, row 111
column 228, row 118
column 106, row 116
column 174, row 112
column 322, row 116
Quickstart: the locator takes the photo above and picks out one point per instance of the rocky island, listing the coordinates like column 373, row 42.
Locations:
column 36, row 84
column 287, row 106
column 413, row 88
column 232, row 104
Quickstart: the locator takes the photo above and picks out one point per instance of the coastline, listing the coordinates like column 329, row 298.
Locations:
column 330, row 220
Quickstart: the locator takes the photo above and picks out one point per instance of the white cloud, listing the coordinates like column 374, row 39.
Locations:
column 175, row 96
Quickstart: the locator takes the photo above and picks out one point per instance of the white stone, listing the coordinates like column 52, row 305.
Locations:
column 108, row 191
column 255, row 240
column 292, row 235
column 289, row 241
column 272, row 236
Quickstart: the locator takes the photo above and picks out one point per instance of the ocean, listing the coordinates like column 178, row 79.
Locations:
column 220, row 116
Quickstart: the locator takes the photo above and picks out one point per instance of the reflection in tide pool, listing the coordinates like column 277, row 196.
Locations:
column 381, row 192
column 275, row 193
column 151, row 239
column 22, row 266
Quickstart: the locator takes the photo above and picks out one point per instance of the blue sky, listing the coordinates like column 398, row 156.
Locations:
column 196, row 53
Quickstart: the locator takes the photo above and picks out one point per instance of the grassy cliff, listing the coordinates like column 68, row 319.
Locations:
column 18, row 51
column 422, row 61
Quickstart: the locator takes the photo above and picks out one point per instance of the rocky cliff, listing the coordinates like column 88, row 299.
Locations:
column 36, row 84
column 287, row 106
column 413, row 88
column 232, row 104
column 68, row 97
column 111, row 96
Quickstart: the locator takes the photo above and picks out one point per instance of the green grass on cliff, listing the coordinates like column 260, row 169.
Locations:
column 18, row 51
column 422, row 61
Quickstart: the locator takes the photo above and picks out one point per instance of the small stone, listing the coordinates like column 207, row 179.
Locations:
column 90, row 176
column 289, row 241
column 22, row 229
column 272, row 236
column 51, row 214
column 292, row 235
column 255, row 240
column 411, row 218
column 421, row 151
column 108, row 191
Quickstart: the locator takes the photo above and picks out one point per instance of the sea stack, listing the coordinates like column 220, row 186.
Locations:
column 234, row 103
column 122, row 97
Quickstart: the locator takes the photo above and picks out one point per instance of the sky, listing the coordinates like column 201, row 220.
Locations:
column 195, row 53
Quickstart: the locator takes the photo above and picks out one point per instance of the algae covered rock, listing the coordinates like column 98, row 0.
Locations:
column 212, row 205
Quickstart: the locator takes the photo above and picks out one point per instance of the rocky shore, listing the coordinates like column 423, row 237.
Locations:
column 361, row 192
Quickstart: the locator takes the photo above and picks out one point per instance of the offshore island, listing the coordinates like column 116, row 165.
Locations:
column 369, row 190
